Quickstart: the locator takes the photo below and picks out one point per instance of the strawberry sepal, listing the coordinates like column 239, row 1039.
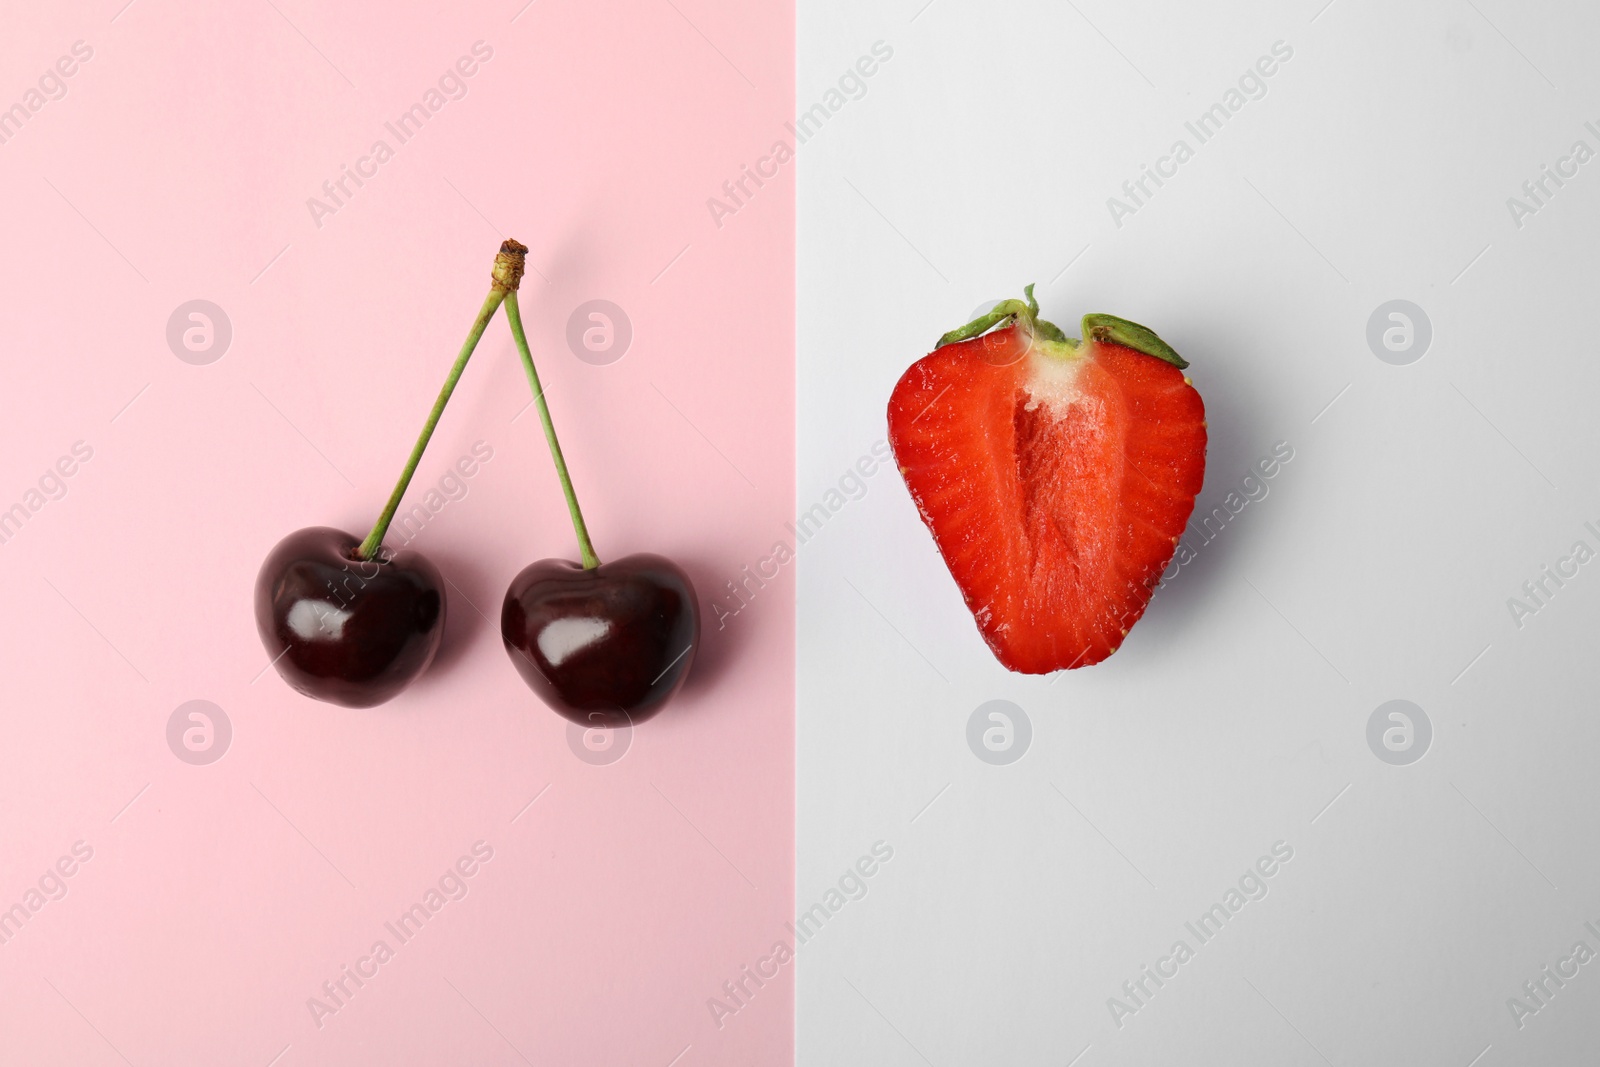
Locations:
column 1006, row 313
column 1096, row 327
column 1130, row 335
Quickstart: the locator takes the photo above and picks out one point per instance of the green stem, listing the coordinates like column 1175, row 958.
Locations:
column 514, row 317
column 1008, row 311
column 1095, row 328
column 507, row 272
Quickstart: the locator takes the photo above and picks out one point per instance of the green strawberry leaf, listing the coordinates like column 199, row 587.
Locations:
column 1130, row 335
column 1008, row 311
column 1004, row 311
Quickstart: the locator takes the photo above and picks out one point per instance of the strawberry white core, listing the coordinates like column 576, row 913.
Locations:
column 1053, row 371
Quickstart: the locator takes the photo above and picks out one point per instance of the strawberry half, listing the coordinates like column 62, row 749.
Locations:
column 1055, row 475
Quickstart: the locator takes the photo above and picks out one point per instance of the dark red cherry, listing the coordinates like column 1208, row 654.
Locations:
column 343, row 629
column 604, row 647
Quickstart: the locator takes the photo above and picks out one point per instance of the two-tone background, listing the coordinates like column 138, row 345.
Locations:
column 1345, row 761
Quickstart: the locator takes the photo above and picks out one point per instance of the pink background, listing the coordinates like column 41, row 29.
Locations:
column 216, row 903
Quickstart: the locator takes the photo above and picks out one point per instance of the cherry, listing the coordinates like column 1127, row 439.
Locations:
column 603, row 645
column 344, row 629
column 351, row 622
column 606, row 646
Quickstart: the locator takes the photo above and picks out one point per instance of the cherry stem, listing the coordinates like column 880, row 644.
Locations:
column 514, row 317
column 506, row 274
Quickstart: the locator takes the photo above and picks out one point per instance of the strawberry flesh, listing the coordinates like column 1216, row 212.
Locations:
column 1056, row 479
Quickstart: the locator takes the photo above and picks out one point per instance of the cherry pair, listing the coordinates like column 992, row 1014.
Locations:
column 350, row 622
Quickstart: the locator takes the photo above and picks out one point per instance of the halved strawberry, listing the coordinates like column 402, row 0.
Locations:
column 1056, row 475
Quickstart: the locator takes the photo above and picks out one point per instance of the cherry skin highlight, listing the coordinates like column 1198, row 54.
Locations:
column 343, row 629
column 607, row 646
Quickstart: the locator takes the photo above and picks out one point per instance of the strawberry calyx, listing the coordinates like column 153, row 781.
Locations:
column 1007, row 313
column 1096, row 327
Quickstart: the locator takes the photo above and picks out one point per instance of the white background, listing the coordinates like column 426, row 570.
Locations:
column 1377, row 167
